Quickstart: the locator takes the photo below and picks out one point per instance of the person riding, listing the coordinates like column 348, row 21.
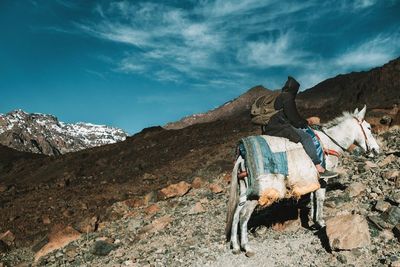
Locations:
column 288, row 123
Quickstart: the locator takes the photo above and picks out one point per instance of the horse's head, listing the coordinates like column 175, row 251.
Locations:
column 363, row 134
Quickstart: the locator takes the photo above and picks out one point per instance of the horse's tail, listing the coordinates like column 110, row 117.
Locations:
column 233, row 198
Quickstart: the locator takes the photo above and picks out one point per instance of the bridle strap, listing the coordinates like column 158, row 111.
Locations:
column 363, row 131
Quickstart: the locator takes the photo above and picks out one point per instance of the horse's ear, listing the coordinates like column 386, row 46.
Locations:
column 362, row 112
column 355, row 112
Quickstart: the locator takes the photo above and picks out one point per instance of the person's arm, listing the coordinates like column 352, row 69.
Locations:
column 291, row 112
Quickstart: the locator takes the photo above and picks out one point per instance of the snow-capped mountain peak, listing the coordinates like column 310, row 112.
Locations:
column 42, row 133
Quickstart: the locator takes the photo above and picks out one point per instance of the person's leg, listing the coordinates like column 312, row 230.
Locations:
column 308, row 144
column 309, row 147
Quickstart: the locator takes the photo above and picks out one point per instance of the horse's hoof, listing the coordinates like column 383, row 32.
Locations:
column 250, row 254
column 236, row 251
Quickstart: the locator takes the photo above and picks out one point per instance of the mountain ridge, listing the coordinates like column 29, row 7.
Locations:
column 378, row 88
column 45, row 134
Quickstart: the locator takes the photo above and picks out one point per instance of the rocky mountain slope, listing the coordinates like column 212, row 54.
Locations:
column 45, row 134
column 77, row 185
column 378, row 88
column 183, row 225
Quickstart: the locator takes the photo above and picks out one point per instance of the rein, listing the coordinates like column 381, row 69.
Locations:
column 334, row 141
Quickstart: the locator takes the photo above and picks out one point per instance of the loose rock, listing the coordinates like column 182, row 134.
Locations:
column 174, row 190
column 370, row 165
column 382, row 205
column 88, row 225
column 197, row 208
column 216, row 188
column 197, row 183
column 102, row 248
column 152, row 209
column 355, row 189
column 389, row 159
column 58, row 238
column 347, row 232
column 8, row 238
column 391, row 216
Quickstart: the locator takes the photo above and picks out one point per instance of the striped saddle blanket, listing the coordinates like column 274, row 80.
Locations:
column 266, row 155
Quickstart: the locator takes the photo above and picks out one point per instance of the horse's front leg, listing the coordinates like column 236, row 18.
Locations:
column 235, row 222
column 320, row 198
column 313, row 203
column 244, row 219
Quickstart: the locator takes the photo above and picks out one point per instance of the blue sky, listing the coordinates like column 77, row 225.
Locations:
column 133, row 64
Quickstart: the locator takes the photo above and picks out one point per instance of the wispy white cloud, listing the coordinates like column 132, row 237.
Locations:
column 280, row 51
column 214, row 39
column 360, row 4
column 96, row 73
column 371, row 53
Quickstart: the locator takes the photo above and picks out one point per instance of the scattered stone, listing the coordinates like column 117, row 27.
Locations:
column 373, row 195
column 174, row 190
column 396, row 231
column 152, row 209
column 395, row 197
column 347, row 232
column 157, row 225
column 3, row 188
column 197, row 183
column 102, row 248
column 150, row 197
column 197, row 208
column 88, row 225
column 386, row 235
column 8, row 238
column 227, row 178
column 3, row 247
column 204, row 200
column 379, row 222
column 389, row 159
column 135, row 202
column 370, row 165
column 341, row 258
column 149, row 176
column 391, row 216
column 395, row 264
column 382, row 205
column 216, row 188
column 391, row 175
column 67, row 213
column 58, row 238
column 71, row 252
column 46, row 219
column 355, row 189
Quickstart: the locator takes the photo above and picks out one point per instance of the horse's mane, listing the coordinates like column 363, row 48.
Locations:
column 346, row 115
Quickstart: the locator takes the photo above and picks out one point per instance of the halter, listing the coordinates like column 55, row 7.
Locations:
column 363, row 131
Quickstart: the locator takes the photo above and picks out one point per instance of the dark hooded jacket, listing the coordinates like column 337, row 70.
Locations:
column 288, row 116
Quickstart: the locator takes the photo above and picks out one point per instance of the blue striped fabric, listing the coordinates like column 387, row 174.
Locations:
column 260, row 159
